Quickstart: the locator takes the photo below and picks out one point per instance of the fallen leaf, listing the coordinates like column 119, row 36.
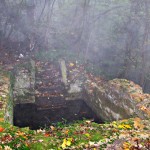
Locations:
column 40, row 140
column 71, row 64
column 1, row 129
column 66, row 132
column 138, row 124
column 87, row 134
column 126, row 146
column 124, row 126
column 66, row 143
column 52, row 128
column 1, row 119
column 7, row 148
column 46, row 134
column 88, row 121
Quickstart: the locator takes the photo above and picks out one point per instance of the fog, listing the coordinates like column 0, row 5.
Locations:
column 110, row 36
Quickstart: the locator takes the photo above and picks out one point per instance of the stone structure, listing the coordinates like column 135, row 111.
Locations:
column 43, row 95
column 54, row 91
column 24, row 83
column 116, row 103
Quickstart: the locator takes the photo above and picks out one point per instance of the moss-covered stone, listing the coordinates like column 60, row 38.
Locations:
column 23, row 89
column 110, row 100
column 116, row 100
column 6, row 100
column 63, row 71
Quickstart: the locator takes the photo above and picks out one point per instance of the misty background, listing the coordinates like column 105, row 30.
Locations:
column 111, row 37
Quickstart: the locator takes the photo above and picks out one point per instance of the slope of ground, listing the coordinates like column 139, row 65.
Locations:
column 131, row 134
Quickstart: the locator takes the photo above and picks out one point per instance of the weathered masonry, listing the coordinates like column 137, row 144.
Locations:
column 49, row 92
column 42, row 95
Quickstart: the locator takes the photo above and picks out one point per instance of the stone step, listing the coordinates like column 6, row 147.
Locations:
column 47, row 73
column 47, row 67
column 47, row 78
column 58, row 107
column 51, row 100
column 49, row 95
column 51, row 89
column 50, row 103
column 48, row 83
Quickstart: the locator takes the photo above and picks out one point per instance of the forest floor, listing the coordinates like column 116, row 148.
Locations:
column 130, row 134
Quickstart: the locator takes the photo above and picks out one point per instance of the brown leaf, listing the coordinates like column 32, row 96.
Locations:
column 138, row 123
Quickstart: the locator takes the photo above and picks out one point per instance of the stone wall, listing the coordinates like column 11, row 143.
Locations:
column 114, row 103
column 51, row 85
column 24, row 83
column 6, row 100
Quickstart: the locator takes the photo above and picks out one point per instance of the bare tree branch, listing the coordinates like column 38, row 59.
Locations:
column 106, row 12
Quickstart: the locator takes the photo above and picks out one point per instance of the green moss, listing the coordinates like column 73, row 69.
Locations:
column 27, row 65
column 1, row 114
column 8, row 116
column 82, row 133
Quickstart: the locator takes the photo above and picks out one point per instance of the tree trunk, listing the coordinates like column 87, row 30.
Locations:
column 144, row 45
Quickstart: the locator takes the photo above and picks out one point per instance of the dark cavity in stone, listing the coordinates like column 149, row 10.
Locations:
column 31, row 115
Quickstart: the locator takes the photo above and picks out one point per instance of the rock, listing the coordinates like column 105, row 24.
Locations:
column 21, row 56
column 114, row 100
column 24, row 82
column 110, row 100
column 6, row 105
column 63, row 71
column 75, row 87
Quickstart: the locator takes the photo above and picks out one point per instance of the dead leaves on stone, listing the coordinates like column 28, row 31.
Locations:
column 135, row 92
column 138, row 123
column 48, row 80
column 134, row 137
column 4, row 88
column 129, row 134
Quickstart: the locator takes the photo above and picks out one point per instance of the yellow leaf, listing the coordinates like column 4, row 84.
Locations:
column 19, row 133
column 66, row 142
column 1, row 119
column 143, row 108
column 63, row 145
column 66, row 131
column 124, row 126
column 126, row 146
column 88, row 121
column 52, row 128
column 71, row 64
column 138, row 124
column 70, row 139
column 121, row 126
column 87, row 134
column 127, row 126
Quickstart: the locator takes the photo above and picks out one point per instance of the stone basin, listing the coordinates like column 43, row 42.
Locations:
column 50, row 92
column 30, row 115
